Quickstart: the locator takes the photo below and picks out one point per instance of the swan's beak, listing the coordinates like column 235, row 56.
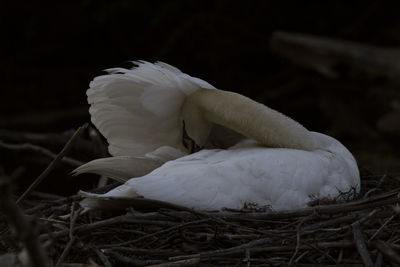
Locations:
column 189, row 144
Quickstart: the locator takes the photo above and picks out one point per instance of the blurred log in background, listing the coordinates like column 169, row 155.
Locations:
column 333, row 67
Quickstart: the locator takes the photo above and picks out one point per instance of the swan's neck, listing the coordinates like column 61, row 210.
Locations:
column 246, row 117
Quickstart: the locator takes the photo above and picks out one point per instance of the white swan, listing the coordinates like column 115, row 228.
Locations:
column 280, row 164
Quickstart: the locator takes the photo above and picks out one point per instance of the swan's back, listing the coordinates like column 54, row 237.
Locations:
column 249, row 173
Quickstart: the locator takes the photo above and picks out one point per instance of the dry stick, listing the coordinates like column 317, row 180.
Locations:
column 143, row 251
column 122, row 203
column 66, row 200
column 380, row 228
column 379, row 259
column 360, row 244
column 248, row 259
column 188, row 262
column 388, row 252
column 157, row 233
column 226, row 251
column 361, row 220
column 22, row 227
column 128, row 261
column 297, row 242
column 323, row 54
column 119, row 203
column 45, row 139
column 74, row 216
column 340, row 220
column 55, row 161
column 65, row 251
column 42, row 150
column 239, row 249
column 85, row 227
column 102, row 257
column 378, row 201
column 305, row 253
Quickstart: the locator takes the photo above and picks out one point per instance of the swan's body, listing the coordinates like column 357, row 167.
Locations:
column 282, row 165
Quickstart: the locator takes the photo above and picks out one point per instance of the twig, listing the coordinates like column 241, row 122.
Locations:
column 379, row 259
column 188, row 262
column 388, row 252
column 53, row 164
column 380, row 228
column 73, row 218
column 297, row 242
column 231, row 251
column 102, row 257
column 24, row 230
column 324, row 55
column 381, row 200
column 127, row 261
column 72, row 238
column 142, row 251
column 65, row 251
column 42, row 118
column 157, row 233
column 227, row 251
column 42, row 150
column 360, row 244
column 85, row 227
column 248, row 259
column 46, row 139
column 65, row 200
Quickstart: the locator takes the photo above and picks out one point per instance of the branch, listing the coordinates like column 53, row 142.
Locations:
column 46, row 139
column 54, row 163
column 360, row 244
column 41, row 150
column 326, row 55
column 22, row 226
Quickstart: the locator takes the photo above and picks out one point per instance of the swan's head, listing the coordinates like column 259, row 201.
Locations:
column 196, row 129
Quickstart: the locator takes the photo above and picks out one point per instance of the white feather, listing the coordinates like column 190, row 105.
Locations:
column 249, row 173
column 122, row 168
column 138, row 109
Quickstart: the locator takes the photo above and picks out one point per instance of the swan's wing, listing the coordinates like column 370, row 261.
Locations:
column 138, row 109
column 213, row 179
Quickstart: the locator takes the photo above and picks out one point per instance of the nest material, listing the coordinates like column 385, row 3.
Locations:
column 361, row 232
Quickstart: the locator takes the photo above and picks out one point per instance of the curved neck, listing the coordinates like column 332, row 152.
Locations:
column 251, row 119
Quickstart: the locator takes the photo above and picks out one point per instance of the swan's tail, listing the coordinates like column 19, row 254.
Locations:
column 120, row 168
column 112, row 200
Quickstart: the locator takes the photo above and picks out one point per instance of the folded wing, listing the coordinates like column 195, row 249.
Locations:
column 138, row 109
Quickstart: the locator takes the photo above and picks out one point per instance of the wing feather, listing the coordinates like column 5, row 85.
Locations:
column 138, row 109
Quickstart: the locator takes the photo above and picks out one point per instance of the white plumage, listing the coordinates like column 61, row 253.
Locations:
column 140, row 112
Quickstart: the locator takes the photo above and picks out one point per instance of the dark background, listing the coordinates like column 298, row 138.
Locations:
column 51, row 51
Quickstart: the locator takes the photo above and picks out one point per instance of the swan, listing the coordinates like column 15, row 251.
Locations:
column 178, row 139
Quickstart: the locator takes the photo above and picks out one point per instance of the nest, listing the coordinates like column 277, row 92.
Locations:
column 360, row 232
